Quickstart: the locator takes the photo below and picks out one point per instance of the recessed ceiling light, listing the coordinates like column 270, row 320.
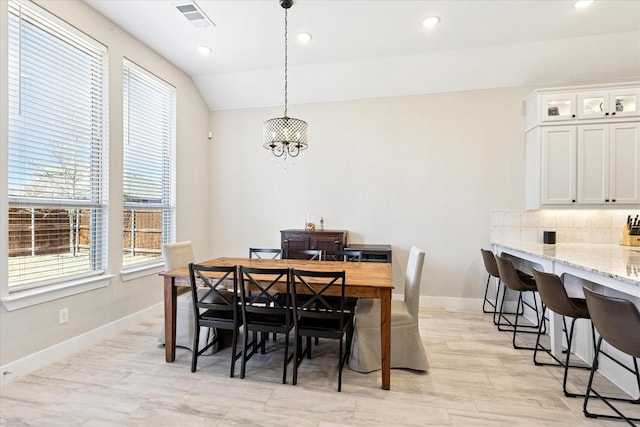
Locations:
column 431, row 21
column 581, row 4
column 304, row 37
column 204, row 50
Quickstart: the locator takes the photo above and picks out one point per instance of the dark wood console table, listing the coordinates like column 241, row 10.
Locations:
column 299, row 240
column 372, row 253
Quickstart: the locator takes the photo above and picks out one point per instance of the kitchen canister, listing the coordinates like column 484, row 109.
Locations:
column 549, row 237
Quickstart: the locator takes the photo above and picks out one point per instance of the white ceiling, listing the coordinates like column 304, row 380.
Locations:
column 378, row 48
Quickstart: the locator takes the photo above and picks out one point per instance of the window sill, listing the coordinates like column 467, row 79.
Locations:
column 137, row 272
column 27, row 298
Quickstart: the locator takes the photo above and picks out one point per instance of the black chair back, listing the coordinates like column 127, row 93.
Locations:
column 271, row 253
column 346, row 255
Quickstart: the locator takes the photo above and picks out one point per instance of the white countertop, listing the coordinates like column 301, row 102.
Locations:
column 609, row 260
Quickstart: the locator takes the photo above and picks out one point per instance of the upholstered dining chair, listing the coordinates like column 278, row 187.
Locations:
column 178, row 255
column 407, row 350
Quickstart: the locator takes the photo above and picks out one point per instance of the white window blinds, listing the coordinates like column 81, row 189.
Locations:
column 57, row 146
column 149, row 110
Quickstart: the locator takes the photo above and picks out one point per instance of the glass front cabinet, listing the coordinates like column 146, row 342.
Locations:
column 608, row 104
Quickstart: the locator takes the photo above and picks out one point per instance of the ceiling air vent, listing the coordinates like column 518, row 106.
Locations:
column 195, row 15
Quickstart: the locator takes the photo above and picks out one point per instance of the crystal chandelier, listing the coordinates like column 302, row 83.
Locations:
column 285, row 136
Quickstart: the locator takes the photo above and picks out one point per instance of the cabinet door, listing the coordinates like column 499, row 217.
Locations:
column 625, row 163
column 624, row 102
column 559, row 165
column 593, row 164
column 328, row 242
column 557, row 107
column 293, row 242
column 593, row 104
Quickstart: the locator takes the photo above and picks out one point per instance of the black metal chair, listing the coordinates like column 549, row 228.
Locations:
column 269, row 311
column 491, row 266
column 554, row 296
column 521, row 283
column 315, row 316
column 346, row 255
column 270, row 253
column 310, row 254
column 216, row 308
column 617, row 320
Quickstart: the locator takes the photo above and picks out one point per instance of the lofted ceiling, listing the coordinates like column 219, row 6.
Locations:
column 374, row 48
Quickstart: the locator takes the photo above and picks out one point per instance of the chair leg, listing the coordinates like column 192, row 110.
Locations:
column 196, row 346
column 495, row 307
column 286, row 358
column 486, row 301
column 538, row 328
column 591, row 392
column 245, row 345
column 296, row 354
column 234, row 356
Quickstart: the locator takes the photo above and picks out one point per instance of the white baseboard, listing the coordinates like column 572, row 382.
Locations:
column 453, row 303
column 26, row 365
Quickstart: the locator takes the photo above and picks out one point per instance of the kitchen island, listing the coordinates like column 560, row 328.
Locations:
column 606, row 268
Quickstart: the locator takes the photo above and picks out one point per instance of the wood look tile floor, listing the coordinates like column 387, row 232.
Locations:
column 476, row 379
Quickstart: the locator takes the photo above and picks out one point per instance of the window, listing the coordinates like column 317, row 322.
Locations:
column 149, row 111
column 57, row 172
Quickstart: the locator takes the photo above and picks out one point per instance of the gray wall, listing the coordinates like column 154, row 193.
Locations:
column 414, row 170
column 26, row 331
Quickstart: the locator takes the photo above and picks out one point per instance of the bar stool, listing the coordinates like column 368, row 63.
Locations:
column 491, row 266
column 554, row 296
column 617, row 320
column 520, row 283
column 492, row 271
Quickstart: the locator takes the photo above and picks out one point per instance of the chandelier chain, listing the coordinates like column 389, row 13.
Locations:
column 285, row 63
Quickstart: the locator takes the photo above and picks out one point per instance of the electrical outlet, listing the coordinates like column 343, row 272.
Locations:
column 63, row 316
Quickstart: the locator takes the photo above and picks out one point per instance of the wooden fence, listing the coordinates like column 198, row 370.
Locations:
column 36, row 231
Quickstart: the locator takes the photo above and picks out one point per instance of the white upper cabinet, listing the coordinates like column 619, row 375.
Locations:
column 582, row 146
column 624, row 155
column 559, row 165
column 608, row 103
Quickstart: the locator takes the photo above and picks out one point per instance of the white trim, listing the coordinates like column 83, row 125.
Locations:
column 14, row 370
column 133, row 272
column 28, row 297
column 447, row 302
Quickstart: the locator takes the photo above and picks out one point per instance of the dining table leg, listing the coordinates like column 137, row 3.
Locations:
column 170, row 295
column 385, row 337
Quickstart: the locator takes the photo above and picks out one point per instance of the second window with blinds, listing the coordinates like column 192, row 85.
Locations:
column 149, row 113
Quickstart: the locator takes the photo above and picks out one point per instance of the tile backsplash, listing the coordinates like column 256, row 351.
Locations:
column 579, row 226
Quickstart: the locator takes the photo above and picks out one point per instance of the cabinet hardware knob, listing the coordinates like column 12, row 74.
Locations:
column 606, row 200
column 573, row 116
column 613, row 200
column 613, row 114
column 573, row 200
column 606, row 114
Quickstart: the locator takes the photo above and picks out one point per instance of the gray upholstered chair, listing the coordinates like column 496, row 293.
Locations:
column 178, row 255
column 407, row 350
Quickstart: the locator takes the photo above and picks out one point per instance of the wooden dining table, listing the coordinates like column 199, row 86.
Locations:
column 363, row 280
